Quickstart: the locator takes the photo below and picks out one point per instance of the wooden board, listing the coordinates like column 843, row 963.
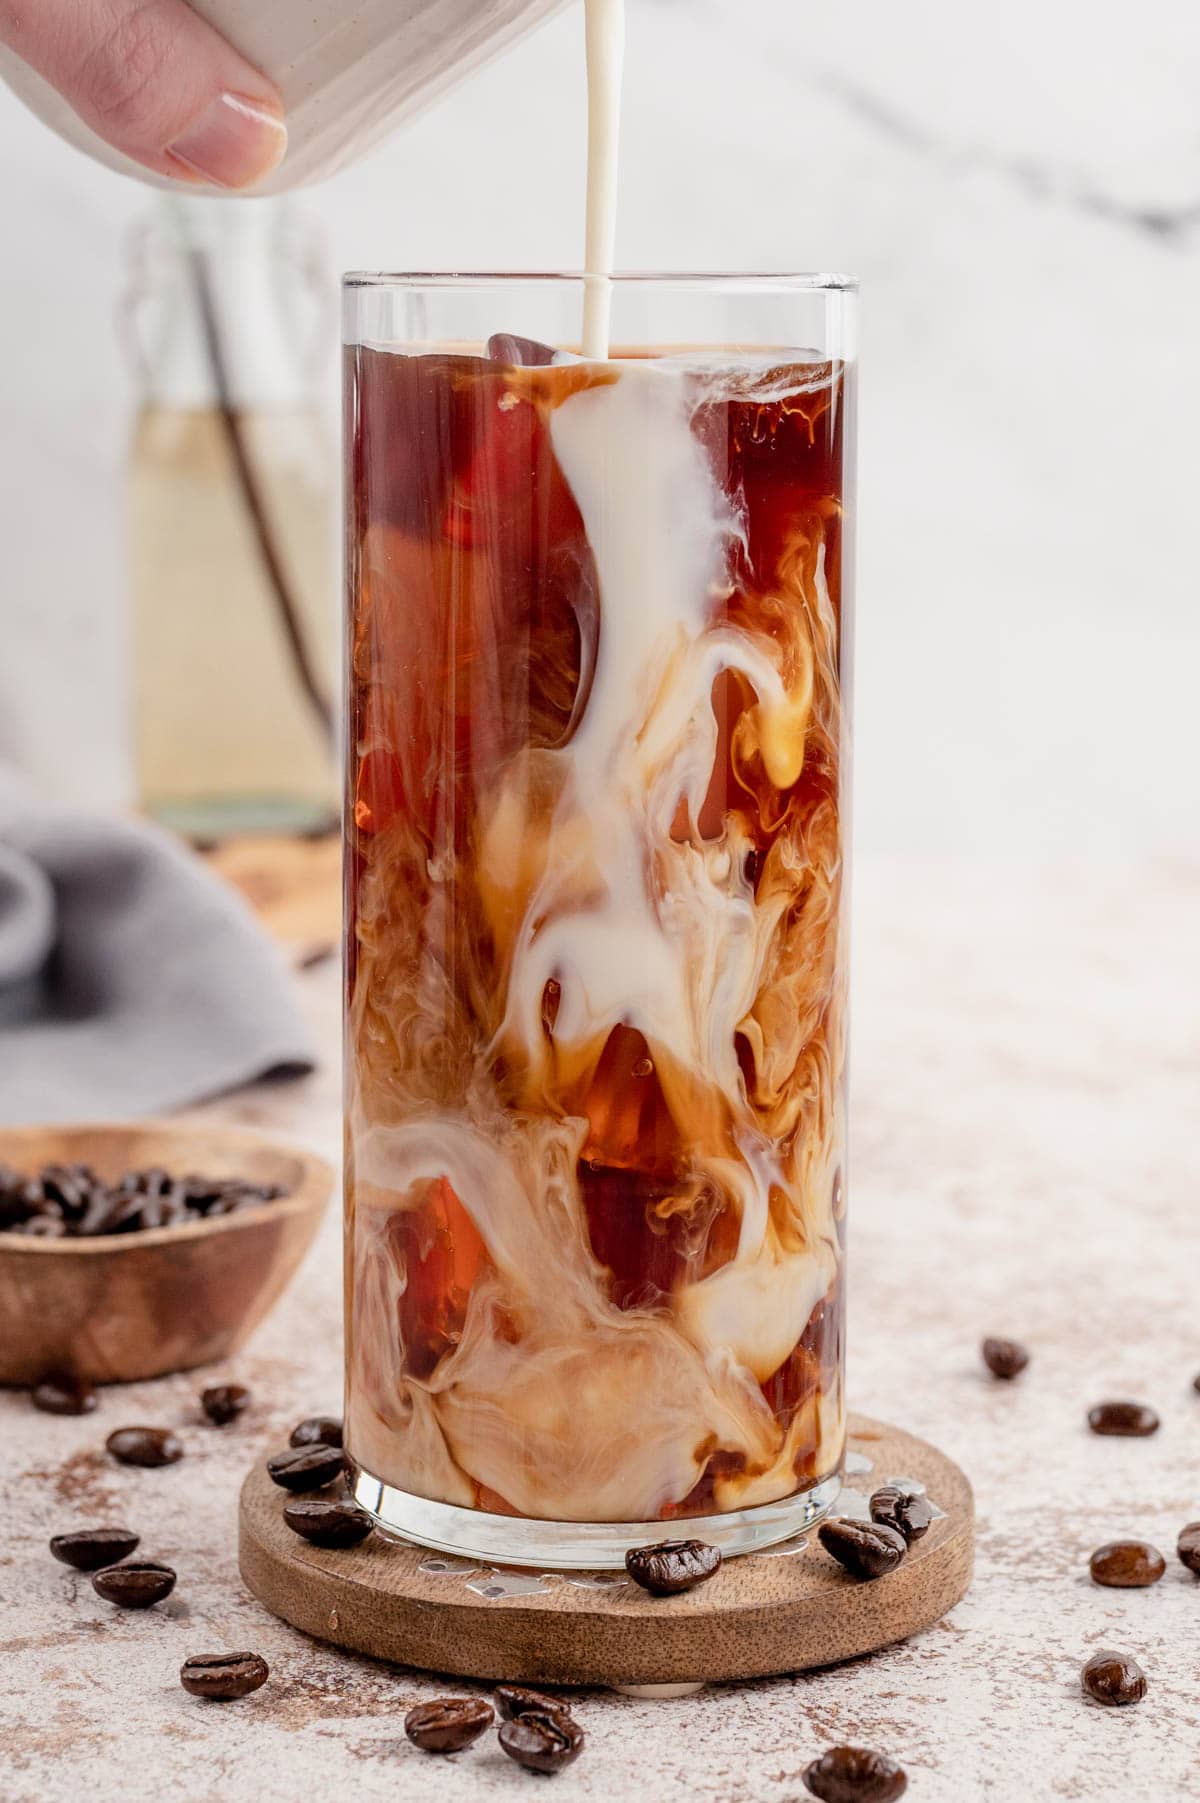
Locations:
column 783, row 1610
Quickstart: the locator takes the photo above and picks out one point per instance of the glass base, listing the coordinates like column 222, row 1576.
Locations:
column 581, row 1545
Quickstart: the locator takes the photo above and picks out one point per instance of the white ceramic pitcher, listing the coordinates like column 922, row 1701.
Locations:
column 348, row 70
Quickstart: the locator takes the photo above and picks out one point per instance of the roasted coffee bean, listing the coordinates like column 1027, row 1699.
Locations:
column 224, row 1677
column 1113, row 1678
column 867, row 1549
column 1004, row 1358
column 306, row 1467
column 672, row 1566
column 146, row 1446
column 70, row 1185
column 317, row 1430
column 542, row 1740
column 1127, row 1565
column 855, row 1775
column 223, row 1403
column 895, row 1508
column 138, row 1585
column 1127, row 1418
column 513, row 1700
column 1196, row 1381
column 90, row 1549
column 448, row 1725
column 45, row 1226
column 1188, row 1546
column 337, row 1524
column 59, row 1393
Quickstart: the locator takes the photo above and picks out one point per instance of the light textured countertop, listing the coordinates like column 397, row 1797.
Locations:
column 1025, row 1162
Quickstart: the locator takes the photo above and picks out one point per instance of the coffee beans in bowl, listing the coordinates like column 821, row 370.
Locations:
column 132, row 1268
column 70, row 1201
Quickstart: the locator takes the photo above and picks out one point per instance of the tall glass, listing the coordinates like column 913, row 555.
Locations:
column 596, row 909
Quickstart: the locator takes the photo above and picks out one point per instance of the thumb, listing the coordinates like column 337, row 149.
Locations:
column 155, row 81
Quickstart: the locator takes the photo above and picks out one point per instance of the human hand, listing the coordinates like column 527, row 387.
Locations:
column 156, row 81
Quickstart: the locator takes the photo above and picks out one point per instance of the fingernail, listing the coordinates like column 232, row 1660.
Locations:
column 233, row 143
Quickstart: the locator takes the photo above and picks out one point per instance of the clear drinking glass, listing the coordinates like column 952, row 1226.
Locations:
column 598, row 663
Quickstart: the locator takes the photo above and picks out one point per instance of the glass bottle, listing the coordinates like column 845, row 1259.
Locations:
column 231, row 523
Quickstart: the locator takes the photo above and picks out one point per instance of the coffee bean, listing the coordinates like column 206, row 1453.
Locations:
column 60, row 1393
column 867, row 1549
column 89, row 1549
column 1126, row 1418
column 306, row 1467
column 542, row 1740
column 855, row 1775
column 223, row 1403
column 138, row 1585
column 1188, row 1546
column 672, row 1566
column 1127, row 1565
column 146, row 1446
column 317, row 1430
column 338, row 1524
column 224, row 1677
column 513, row 1701
column 1196, row 1381
column 894, row 1508
column 1004, row 1358
column 1113, row 1678
column 448, row 1725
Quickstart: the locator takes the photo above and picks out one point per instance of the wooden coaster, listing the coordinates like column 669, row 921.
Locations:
column 782, row 1610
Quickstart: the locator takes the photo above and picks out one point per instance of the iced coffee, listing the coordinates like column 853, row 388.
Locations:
column 596, row 957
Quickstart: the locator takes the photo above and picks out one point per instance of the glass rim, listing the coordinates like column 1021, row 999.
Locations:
column 712, row 281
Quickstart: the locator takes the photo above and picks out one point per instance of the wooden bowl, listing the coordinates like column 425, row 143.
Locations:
column 116, row 1309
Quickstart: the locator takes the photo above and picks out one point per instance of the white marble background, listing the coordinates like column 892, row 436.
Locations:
column 1019, row 189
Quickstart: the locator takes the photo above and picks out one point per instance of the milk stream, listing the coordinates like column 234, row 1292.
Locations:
column 605, row 23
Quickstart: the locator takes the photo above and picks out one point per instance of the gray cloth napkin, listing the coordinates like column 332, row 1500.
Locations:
column 131, row 979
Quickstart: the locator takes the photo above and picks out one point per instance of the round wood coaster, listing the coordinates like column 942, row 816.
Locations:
column 782, row 1610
